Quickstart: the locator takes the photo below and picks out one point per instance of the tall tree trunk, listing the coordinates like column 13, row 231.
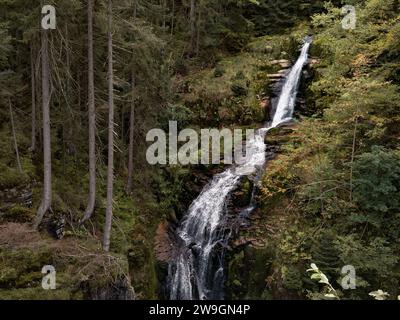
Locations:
column 110, row 167
column 14, row 137
column 131, row 137
column 46, row 200
column 192, row 27
column 33, row 95
column 92, row 119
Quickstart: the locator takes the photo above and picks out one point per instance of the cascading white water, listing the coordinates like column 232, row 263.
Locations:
column 197, row 270
column 287, row 98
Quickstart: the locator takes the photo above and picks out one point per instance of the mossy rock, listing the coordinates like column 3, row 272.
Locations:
column 22, row 267
column 242, row 196
column 278, row 136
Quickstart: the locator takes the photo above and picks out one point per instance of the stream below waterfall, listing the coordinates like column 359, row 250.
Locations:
column 197, row 269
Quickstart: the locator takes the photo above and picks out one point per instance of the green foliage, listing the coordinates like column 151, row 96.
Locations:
column 177, row 112
column 375, row 257
column 318, row 275
column 378, row 10
column 243, row 284
column 377, row 181
column 274, row 16
column 22, row 267
column 170, row 187
column 325, row 254
column 10, row 177
column 19, row 214
column 292, row 279
column 230, row 92
column 223, row 23
column 239, row 89
column 346, row 162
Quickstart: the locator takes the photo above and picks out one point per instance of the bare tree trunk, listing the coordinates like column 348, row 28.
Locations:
column 192, row 27
column 92, row 119
column 14, row 137
column 131, row 137
column 110, row 167
column 33, row 94
column 46, row 200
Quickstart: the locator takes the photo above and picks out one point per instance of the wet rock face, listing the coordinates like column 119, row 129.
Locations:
column 305, row 104
column 166, row 248
column 164, row 243
column 120, row 289
column 241, row 196
column 280, row 135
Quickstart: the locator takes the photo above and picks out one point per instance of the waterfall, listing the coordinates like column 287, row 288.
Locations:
column 287, row 98
column 196, row 271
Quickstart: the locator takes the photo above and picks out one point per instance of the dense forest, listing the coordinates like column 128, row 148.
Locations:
column 77, row 101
